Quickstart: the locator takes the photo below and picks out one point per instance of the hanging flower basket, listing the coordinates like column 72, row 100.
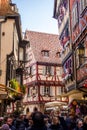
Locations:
column 19, row 90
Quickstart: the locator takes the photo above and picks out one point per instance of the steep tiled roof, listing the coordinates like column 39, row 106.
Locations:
column 44, row 41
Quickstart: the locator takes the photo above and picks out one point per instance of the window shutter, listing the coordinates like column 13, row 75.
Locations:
column 59, row 91
column 32, row 70
column 48, row 69
column 44, row 70
column 52, row 91
column 52, row 71
column 42, row 90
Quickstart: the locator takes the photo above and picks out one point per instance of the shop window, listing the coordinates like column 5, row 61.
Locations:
column 75, row 15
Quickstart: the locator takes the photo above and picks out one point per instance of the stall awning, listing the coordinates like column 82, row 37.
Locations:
column 55, row 103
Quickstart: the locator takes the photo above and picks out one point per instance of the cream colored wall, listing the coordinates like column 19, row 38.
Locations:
column 6, row 45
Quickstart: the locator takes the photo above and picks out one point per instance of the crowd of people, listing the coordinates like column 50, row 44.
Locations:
column 40, row 121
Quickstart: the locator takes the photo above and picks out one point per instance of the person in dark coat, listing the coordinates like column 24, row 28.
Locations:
column 55, row 125
column 9, row 120
column 85, row 123
column 20, row 123
column 79, row 125
column 62, row 120
column 38, row 121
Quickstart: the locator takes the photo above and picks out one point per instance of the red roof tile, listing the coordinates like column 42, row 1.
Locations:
column 43, row 41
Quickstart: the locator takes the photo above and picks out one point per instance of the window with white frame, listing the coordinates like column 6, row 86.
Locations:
column 46, row 90
column 83, row 5
column 45, row 53
column 48, row 70
column 75, row 15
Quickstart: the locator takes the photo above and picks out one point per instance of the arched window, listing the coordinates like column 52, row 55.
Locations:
column 27, row 110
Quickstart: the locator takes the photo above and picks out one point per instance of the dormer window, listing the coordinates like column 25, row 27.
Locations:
column 58, row 54
column 45, row 53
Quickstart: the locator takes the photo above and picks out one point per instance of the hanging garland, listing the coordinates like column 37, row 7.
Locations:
column 14, row 84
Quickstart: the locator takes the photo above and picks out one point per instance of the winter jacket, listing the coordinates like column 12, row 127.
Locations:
column 56, row 127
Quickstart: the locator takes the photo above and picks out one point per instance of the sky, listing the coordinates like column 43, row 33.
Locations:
column 37, row 15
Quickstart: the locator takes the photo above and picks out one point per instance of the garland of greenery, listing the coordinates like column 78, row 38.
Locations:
column 14, row 84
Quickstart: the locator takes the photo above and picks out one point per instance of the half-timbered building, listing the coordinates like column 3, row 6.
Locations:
column 72, row 24
column 43, row 70
column 11, row 44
